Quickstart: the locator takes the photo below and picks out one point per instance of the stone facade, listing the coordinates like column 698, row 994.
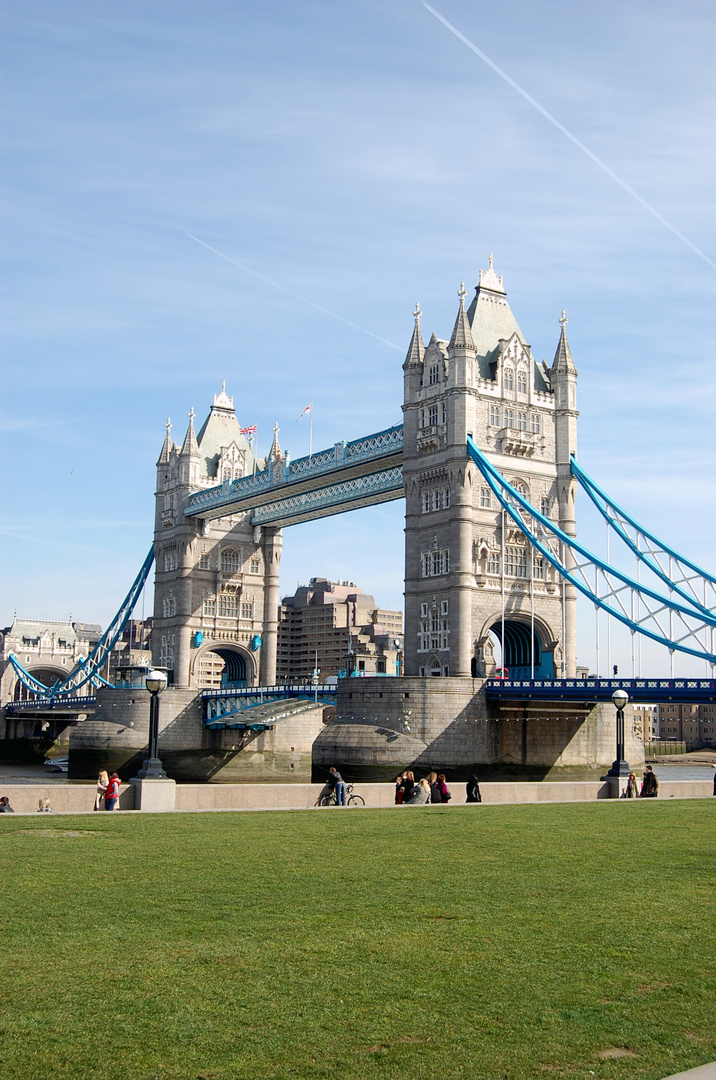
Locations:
column 385, row 725
column 48, row 650
column 216, row 585
column 471, row 578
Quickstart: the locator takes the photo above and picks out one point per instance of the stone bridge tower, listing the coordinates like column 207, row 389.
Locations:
column 217, row 582
column 471, row 580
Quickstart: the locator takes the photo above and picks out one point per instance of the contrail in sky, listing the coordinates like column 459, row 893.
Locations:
column 295, row 296
column 572, row 138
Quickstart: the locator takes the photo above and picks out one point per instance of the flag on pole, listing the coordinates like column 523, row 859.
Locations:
column 307, row 409
column 248, row 430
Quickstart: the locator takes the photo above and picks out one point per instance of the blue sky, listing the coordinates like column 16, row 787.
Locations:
column 361, row 157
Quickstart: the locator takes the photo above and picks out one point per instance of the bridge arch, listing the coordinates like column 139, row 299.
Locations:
column 44, row 673
column 238, row 670
column 520, row 648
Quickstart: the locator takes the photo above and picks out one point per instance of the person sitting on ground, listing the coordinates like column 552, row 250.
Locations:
column 338, row 784
column 445, row 795
column 472, row 789
column 649, row 784
column 408, row 785
column 111, row 798
column 5, row 807
column 420, row 795
column 43, row 806
column 434, row 787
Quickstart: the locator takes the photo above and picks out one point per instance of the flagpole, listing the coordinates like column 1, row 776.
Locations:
column 310, row 433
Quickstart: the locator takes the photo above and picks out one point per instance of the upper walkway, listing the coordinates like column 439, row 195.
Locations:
column 639, row 690
column 345, row 477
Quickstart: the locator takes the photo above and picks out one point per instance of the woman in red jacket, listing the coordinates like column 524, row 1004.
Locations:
column 111, row 797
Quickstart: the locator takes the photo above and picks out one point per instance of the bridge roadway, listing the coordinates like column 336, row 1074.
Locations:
column 646, row 691
column 345, row 477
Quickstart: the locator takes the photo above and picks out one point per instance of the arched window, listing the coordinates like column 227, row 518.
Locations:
column 509, row 379
column 230, row 560
column 521, row 382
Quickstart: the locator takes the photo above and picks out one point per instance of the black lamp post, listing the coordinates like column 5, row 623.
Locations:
column 620, row 767
column 155, row 681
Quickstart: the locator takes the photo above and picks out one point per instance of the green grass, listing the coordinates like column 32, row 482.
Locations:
column 495, row 943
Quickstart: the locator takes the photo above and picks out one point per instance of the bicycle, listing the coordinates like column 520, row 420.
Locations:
column 351, row 798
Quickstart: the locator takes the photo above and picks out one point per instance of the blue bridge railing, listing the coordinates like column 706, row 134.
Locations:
column 639, row 690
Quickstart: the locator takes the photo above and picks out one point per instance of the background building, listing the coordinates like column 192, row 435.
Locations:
column 48, row 650
column 336, row 627
column 692, row 724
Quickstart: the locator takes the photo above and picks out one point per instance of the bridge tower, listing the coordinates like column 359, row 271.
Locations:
column 471, row 580
column 217, row 582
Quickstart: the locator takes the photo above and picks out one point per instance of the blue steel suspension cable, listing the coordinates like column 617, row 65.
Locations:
column 497, row 484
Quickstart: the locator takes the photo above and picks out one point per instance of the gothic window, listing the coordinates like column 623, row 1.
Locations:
column 539, row 567
column 228, row 606
column 436, row 500
column 509, row 379
column 443, row 607
column 509, row 418
column 423, row 611
column 171, row 560
column 485, row 498
column 226, row 474
column 446, row 498
column 230, row 560
column 169, row 607
column 520, row 486
column 522, row 421
column 446, row 561
column 521, row 382
column 535, row 424
column 444, row 632
column 544, row 505
column 204, row 561
column 436, row 563
column 426, row 563
column 494, row 416
column 516, row 562
column 247, row 611
column 443, row 413
column 426, row 502
column 209, row 606
column 433, row 415
column 255, row 566
column 433, row 375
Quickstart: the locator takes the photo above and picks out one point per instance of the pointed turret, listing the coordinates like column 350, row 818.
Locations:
column 416, row 351
column 462, row 334
column 190, row 447
column 563, row 363
column 275, row 451
column 167, row 446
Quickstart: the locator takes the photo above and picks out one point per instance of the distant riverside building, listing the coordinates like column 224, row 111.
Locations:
column 645, row 721
column 48, row 650
column 335, row 626
column 692, row 724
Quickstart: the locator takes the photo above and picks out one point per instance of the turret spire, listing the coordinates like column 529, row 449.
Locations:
column 275, row 451
column 416, row 350
column 190, row 447
column 167, row 446
column 563, row 364
column 462, row 335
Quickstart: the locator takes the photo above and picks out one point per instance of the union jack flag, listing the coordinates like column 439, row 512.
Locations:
column 248, row 430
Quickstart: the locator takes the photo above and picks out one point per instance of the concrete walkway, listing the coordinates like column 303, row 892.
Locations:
column 704, row 1072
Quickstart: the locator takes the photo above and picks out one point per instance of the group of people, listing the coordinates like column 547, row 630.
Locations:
column 107, row 793
column 649, row 788
column 430, row 789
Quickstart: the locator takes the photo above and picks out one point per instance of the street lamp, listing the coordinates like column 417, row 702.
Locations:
column 155, row 681
column 620, row 767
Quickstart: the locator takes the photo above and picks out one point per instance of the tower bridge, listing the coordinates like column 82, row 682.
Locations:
column 485, row 459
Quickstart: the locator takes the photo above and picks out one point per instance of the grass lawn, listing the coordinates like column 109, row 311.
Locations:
column 495, row 943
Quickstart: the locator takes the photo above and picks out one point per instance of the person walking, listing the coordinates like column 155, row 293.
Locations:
column 111, row 798
column 445, row 795
column 338, row 784
column 649, row 784
column 472, row 789
column 435, row 795
column 102, row 782
column 632, row 790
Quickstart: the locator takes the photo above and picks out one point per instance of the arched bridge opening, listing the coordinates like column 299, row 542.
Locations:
column 524, row 652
